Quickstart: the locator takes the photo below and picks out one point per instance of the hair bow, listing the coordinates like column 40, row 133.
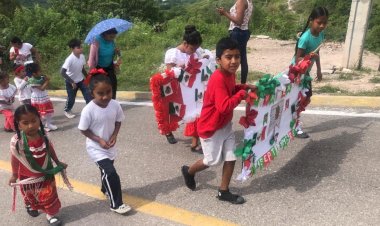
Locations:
column 93, row 72
column 19, row 69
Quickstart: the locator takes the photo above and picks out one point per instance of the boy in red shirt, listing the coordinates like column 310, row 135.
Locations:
column 214, row 125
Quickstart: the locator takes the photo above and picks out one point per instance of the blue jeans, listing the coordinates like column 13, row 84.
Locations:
column 242, row 37
column 72, row 93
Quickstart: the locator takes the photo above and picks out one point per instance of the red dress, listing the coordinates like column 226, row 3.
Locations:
column 40, row 195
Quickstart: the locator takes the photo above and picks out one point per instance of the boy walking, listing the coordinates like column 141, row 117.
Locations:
column 214, row 125
column 73, row 71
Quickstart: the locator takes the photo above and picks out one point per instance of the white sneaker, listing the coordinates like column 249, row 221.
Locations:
column 122, row 209
column 69, row 114
column 51, row 127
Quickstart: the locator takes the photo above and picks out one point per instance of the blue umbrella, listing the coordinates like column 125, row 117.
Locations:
column 119, row 24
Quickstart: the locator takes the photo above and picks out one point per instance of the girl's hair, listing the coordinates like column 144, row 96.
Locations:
column 111, row 31
column 22, row 110
column 224, row 44
column 3, row 75
column 317, row 12
column 16, row 40
column 192, row 36
column 32, row 68
column 98, row 78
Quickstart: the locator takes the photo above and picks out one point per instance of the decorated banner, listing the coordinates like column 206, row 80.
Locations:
column 177, row 94
column 271, row 117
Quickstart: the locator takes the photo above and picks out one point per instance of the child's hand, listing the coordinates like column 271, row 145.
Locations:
column 251, row 87
column 112, row 141
column 103, row 144
column 74, row 85
column 314, row 56
column 62, row 164
column 12, row 180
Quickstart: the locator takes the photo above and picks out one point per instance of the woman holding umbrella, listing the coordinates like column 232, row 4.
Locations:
column 102, row 52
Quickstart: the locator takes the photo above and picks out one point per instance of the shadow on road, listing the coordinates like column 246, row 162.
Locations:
column 151, row 191
column 318, row 159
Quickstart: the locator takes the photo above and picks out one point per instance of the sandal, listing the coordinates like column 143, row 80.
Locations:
column 32, row 212
column 54, row 221
column 171, row 139
column 197, row 149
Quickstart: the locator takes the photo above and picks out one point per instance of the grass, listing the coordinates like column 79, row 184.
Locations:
column 346, row 77
column 254, row 76
column 373, row 93
column 375, row 80
column 329, row 89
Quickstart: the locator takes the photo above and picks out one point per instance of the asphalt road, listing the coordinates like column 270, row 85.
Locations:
column 332, row 178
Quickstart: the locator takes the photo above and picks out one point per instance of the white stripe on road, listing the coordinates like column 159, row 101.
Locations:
column 241, row 108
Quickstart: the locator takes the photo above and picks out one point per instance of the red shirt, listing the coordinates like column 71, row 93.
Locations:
column 221, row 97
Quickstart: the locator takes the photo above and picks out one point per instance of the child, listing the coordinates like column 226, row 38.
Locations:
column 21, row 82
column 214, row 125
column 31, row 159
column 311, row 37
column 178, row 57
column 39, row 97
column 73, row 71
column 7, row 97
column 22, row 52
column 100, row 122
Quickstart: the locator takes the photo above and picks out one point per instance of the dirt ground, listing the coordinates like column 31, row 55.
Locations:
column 273, row 56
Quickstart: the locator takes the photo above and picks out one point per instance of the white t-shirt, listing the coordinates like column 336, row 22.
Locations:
column 8, row 95
column 74, row 66
column 175, row 56
column 24, row 54
column 24, row 90
column 101, row 121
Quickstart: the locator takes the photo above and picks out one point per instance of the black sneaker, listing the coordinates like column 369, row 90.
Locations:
column 32, row 212
column 189, row 179
column 301, row 134
column 229, row 197
column 171, row 139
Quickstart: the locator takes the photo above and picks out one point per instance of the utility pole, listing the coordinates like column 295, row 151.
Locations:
column 356, row 31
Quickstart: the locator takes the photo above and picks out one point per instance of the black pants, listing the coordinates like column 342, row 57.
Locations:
column 111, row 74
column 242, row 37
column 110, row 182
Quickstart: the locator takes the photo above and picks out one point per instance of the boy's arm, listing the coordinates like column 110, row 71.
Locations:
column 65, row 76
column 226, row 104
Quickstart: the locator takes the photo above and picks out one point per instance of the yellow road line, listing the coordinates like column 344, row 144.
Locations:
column 345, row 101
column 146, row 206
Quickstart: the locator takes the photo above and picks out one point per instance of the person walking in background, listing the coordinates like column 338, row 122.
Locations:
column 100, row 122
column 310, row 39
column 23, row 88
column 72, row 71
column 40, row 98
column 239, row 16
column 102, row 53
column 7, row 97
column 22, row 52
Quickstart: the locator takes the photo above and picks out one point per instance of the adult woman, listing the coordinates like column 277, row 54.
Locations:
column 22, row 52
column 102, row 53
column 239, row 16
